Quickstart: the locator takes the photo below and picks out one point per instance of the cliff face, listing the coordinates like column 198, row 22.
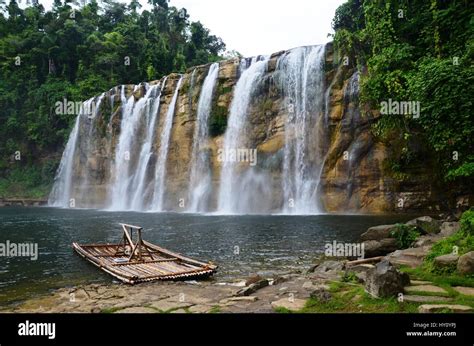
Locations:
column 352, row 177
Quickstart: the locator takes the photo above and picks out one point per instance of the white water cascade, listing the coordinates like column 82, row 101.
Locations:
column 302, row 82
column 140, row 187
column 200, row 182
column 124, row 159
column 160, row 174
column 233, row 186
column 61, row 193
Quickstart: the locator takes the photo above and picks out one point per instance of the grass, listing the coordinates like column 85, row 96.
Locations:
column 110, row 310
column 353, row 298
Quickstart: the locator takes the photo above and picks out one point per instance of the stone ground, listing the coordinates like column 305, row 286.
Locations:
column 254, row 295
column 290, row 291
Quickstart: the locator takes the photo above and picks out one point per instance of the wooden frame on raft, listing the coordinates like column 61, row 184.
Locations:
column 141, row 261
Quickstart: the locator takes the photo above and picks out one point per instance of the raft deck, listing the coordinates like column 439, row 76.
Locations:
column 140, row 261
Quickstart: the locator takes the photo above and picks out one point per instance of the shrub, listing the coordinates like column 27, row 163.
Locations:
column 405, row 235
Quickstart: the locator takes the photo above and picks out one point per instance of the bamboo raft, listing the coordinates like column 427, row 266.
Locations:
column 141, row 261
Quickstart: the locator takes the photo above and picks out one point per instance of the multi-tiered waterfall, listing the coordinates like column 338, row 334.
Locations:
column 239, row 136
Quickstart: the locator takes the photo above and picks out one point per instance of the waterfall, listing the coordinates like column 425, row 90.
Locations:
column 200, row 182
column 139, row 183
column 121, row 170
column 302, row 83
column 160, row 174
column 279, row 104
column 232, row 193
column 61, row 192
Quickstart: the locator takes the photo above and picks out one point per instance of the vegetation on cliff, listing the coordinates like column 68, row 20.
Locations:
column 75, row 53
column 416, row 51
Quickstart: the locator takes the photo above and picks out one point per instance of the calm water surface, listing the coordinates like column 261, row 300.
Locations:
column 265, row 244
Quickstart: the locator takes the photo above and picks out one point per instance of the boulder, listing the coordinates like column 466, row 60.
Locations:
column 378, row 232
column 465, row 265
column 427, row 239
column 384, row 280
column 426, row 224
column 449, row 228
column 446, row 261
column 373, row 248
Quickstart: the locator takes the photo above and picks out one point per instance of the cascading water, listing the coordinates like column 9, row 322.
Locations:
column 302, row 83
column 200, row 184
column 121, row 169
column 140, row 188
column 279, row 105
column 231, row 193
column 160, row 174
column 61, row 193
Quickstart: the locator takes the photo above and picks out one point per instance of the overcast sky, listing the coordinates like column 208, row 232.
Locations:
column 254, row 27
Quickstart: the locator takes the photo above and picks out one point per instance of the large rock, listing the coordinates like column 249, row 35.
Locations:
column 449, row 228
column 378, row 232
column 465, row 264
column 381, row 247
column 446, row 261
column 426, row 224
column 384, row 280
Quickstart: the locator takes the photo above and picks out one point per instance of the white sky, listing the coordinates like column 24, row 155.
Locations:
column 254, row 27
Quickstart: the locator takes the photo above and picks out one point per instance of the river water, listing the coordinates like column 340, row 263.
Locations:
column 240, row 245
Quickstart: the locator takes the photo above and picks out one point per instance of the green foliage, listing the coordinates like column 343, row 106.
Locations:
column 461, row 242
column 28, row 182
column 49, row 56
column 350, row 276
column 419, row 51
column 405, row 235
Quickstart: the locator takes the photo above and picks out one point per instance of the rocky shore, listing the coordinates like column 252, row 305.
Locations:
column 388, row 279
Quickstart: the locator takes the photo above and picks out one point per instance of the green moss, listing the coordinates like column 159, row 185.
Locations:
column 215, row 309
column 110, row 310
column 218, row 121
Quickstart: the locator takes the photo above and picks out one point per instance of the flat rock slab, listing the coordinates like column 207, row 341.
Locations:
column 412, row 257
column 420, row 282
column 425, row 299
column 137, row 310
column 425, row 288
column 467, row 291
column 290, row 304
column 165, row 305
column 428, row 308
column 239, row 299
